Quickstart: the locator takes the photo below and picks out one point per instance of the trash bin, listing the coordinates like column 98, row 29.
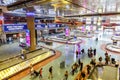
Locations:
column 62, row 64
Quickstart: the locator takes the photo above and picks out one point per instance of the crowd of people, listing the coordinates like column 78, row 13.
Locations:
column 74, row 69
column 91, row 52
column 77, row 66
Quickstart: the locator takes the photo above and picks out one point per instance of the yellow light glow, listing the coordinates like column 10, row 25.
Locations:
column 60, row 3
column 65, row 2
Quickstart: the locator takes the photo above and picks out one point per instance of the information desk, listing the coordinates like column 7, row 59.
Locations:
column 23, row 65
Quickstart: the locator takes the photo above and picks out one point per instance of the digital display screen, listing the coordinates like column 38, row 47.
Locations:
column 28, row 37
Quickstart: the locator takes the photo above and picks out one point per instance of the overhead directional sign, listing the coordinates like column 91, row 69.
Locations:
column 14, row 27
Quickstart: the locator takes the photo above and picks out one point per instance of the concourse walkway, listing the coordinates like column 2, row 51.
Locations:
column 68, row 55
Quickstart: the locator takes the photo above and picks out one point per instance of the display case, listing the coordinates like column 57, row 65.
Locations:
column 6, row 73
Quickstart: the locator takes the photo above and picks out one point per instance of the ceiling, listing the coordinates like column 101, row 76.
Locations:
column 61, row 7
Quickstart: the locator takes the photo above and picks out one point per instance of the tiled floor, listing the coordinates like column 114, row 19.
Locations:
column 9, row 50
column 69, row 56
column 38, row 65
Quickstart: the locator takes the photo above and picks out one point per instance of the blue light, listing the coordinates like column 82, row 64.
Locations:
column 30, row 14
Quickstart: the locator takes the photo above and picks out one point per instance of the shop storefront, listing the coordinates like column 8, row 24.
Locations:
column 15, row 32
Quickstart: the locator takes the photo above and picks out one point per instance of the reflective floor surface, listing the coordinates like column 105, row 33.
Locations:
column 69, row 56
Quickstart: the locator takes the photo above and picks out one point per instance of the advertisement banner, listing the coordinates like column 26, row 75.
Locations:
column 21, row 27
column 14, row 27
column 28, row 37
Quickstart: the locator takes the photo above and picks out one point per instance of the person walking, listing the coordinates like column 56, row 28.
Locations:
column 106, row 60
column 76, row 53
column 88, row 52
column 83, row 75
column 81, row 66
column 73, row 69
column 40, row 73
column 91, row 50
column 82, row 51
column 66, row 75
column 106, row 53
column 50, row 72
column 94, row 51
column 79, row 62
column 88, row 69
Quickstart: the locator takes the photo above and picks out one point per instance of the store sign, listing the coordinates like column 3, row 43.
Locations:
column 21, row 27
column 14, row 27
column 39, row 26
column 28, row 37
column 52, row 26
column 58, row 25
column 30, row 14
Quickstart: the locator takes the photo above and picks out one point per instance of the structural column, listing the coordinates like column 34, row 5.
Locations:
column 31, row 27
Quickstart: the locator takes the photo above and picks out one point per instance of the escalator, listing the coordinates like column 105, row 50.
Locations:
column 104, row 73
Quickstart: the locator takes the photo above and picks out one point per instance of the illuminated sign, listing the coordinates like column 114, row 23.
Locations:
column 14, row 27
column 27, row 37
column 30, row 14
column 43, row 26
column 52, row 26
column 21, row 27
column 39, row 26
column 58, row 25
column 67, row 31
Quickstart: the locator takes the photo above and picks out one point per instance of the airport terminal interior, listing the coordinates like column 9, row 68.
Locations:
column 59, row 39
